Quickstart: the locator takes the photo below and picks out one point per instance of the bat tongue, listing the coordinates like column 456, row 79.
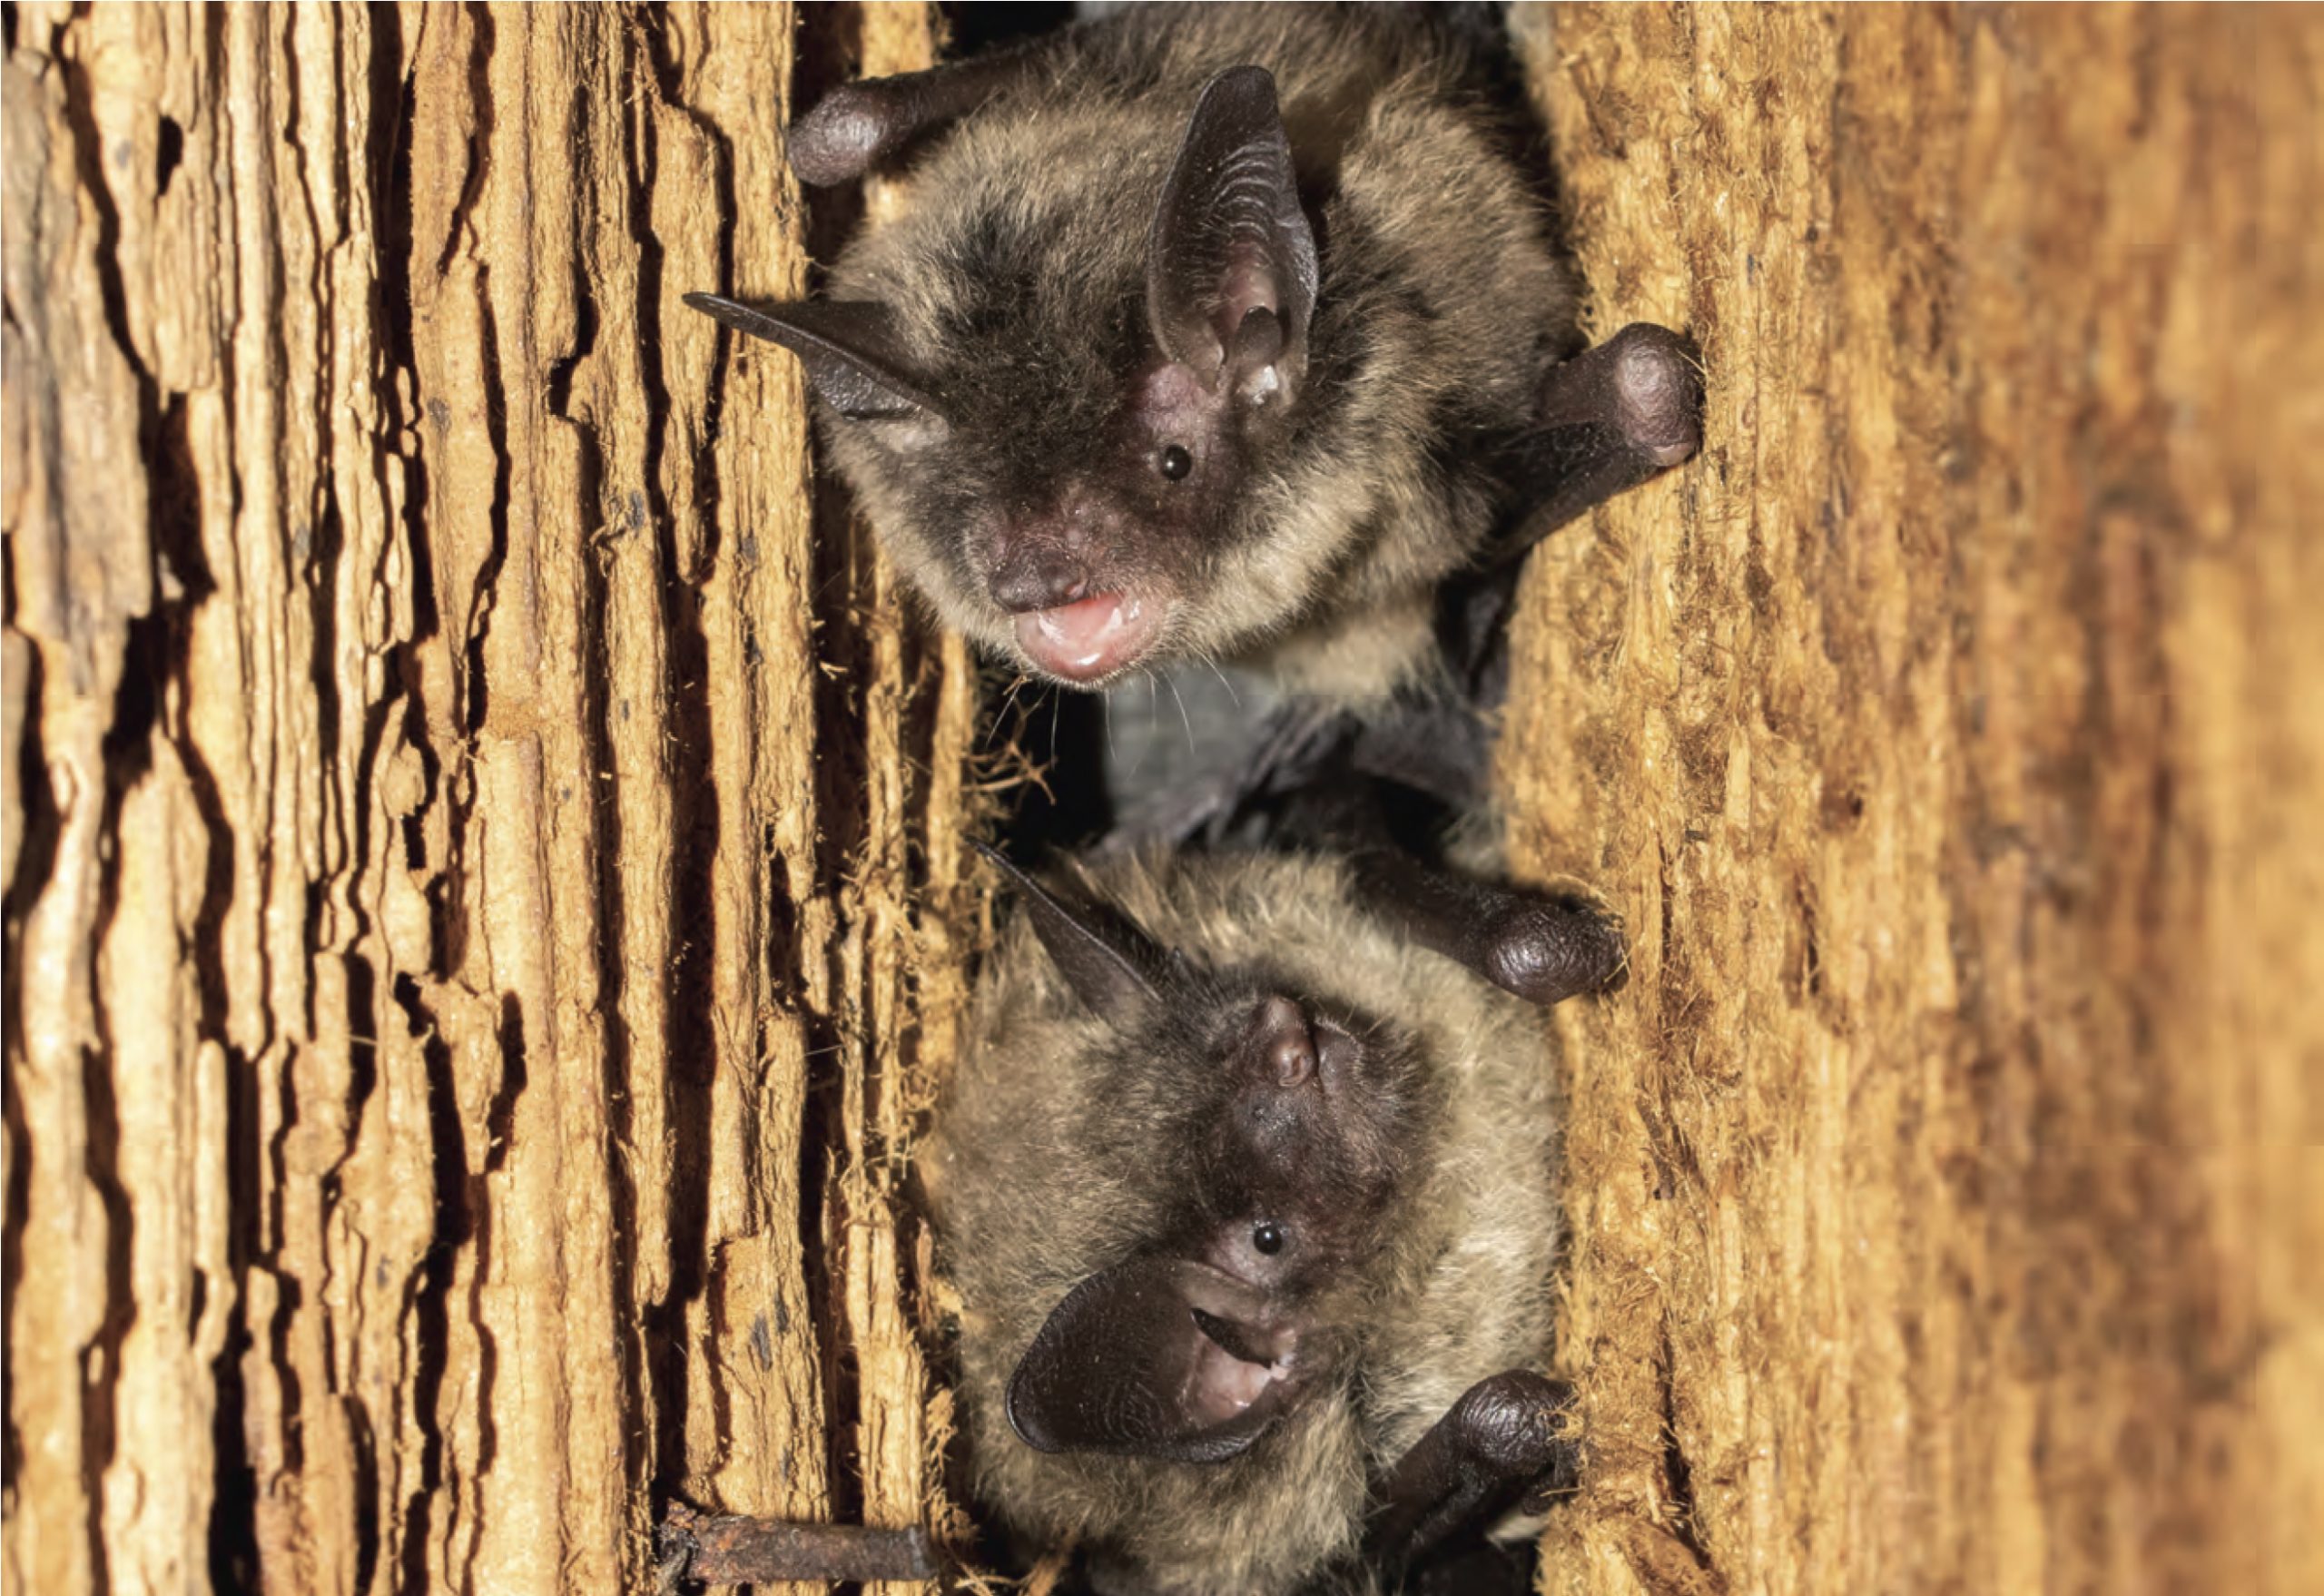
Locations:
column 1091, row 638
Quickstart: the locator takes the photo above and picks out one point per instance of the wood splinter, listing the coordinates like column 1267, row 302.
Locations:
column 739, row 1549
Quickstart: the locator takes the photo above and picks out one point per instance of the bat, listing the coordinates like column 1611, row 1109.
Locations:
column 1223, row 334
column 1250, row 1206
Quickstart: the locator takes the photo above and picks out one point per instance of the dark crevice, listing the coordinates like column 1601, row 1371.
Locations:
column 500, row 1114
column 128, row 752
column 1812, row 953
column 233, row 1551
column 36, row 865
column 829, row 45
column 427, row 1301
column 88, row 149
column 399, row 719
column 822, row 1221
column 365, row 1445
column 461, row 1215
column 475, row 691
column 479, row 149
column 169, row 153
column 176, row 489
column 690, row 1046
column 393, row 98
column 500, row 1126
column 1677, row 1473
column 275, row 1061
column 101, row 1353
column 362, row 1026
column 841, row 781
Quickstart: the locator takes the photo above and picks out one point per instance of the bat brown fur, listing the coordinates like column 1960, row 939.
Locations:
column 1014, row 289
column 1067, row 1145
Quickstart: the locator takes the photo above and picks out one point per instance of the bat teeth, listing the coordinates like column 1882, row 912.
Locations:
column 1091, row 638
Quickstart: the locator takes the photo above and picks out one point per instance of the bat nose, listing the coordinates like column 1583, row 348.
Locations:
column 1029, row 577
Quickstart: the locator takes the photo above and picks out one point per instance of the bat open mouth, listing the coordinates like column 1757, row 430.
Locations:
column 1157, row 1357
column 1091, row 638
column 1241, row 1366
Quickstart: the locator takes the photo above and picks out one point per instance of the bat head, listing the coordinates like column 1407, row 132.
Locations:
column 1057, row 390
column 1293, row 1116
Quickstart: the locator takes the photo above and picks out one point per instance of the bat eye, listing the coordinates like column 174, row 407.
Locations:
column 1267, row 1237
column 1174, row 463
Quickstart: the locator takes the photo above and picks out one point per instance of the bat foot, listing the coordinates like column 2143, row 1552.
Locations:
column 1514, row 1424
column 849, row 131
column 1546, row 950
column 1656, row 393
column 1609, row 418
column 1509, row 1439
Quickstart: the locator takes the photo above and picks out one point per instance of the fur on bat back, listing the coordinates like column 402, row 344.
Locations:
column 1052, row 1159
column 1018, row 271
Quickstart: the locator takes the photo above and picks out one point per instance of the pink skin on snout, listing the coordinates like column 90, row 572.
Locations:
column 1091, row 638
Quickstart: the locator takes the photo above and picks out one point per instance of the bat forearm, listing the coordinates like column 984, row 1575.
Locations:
column 740, row 1549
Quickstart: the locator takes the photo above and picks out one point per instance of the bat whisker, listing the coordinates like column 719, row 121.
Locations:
column 1223, row 679
column 1183, row 719
column 1153, row 715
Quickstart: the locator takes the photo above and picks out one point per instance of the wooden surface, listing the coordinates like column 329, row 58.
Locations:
column 1948, row 1182
column 470, row 839
column 484, row 898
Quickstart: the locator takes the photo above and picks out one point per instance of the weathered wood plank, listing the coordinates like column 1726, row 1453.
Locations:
column 420, row 911
column 1936, row 733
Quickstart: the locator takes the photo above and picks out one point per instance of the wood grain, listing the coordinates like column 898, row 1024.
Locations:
column 455, row 1065
column 1946, row 1182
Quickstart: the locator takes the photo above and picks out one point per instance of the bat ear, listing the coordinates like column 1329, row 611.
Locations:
column 851, row 348
column 1158, row 1357
column 1230, row 264
column 1113, row 965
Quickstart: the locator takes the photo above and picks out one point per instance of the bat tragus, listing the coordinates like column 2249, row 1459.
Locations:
column 1213, row 332
column 1251, row 1209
